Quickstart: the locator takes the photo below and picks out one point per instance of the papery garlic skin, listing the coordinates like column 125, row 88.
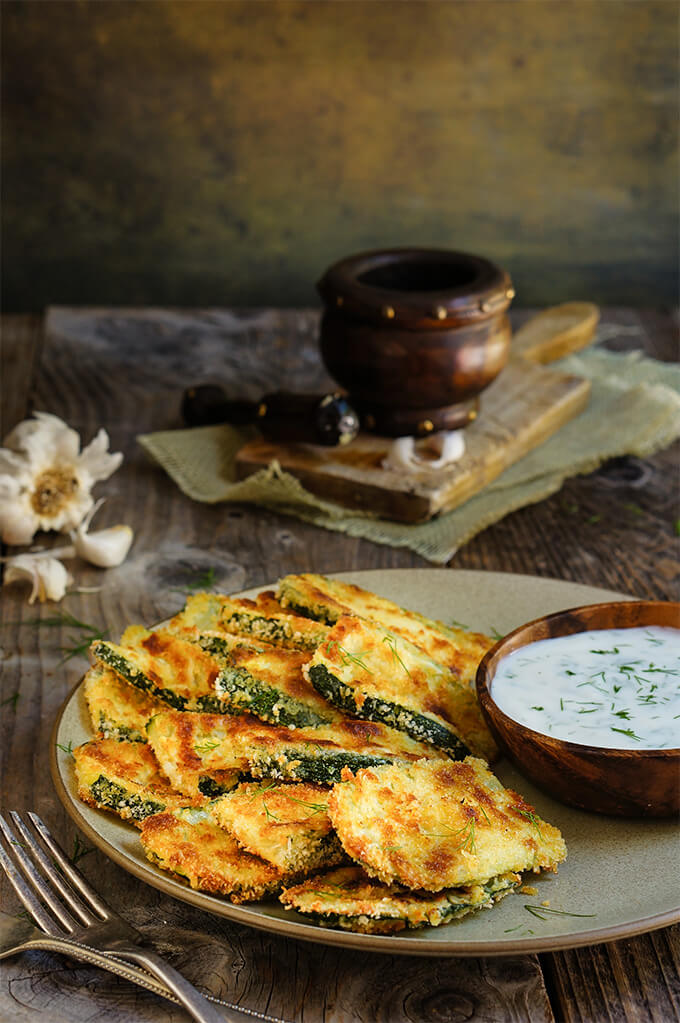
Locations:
column 105, row 548
column 45, row 480
column 49, row 578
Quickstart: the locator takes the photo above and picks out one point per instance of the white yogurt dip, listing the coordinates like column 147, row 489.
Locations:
column 613, row 688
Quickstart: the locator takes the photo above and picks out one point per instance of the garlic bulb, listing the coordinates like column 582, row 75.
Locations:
column 47, row 575
column 105, row 548
column 45, row 480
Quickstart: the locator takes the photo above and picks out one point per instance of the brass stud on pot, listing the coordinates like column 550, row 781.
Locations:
column 388, row 312
column 339, row 301
column 510, row 294
column 486, row 306
column 425, row 426
column 261, row 410
column 440, row 312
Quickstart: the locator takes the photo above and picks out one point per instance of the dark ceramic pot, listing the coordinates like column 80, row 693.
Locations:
column 415, row 335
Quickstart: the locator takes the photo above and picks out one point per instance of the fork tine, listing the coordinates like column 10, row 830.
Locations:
column 29, row 892
column 30, row 901
column 75, row 877
column 53, row 875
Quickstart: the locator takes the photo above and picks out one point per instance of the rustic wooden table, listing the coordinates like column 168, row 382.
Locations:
column 614, row 528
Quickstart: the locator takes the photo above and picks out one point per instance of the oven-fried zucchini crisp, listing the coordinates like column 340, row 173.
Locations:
column 347, row 898
column 371, row 672
column 267, row 683
column 287, row 825
column 218, row 673
column 188, row 842
column 190, row 748
column 198, row 752
column 265, row 619
column 123, row 777
column 319, row 740
column 117, row 709
column 162, row 664
column 438, row 825
column 328, row 599
column 201, row 613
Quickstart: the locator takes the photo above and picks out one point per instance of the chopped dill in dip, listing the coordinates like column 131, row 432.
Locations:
column 613, row 688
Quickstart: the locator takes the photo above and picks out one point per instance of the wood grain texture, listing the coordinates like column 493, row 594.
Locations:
column 137, row 386
column 524, row 406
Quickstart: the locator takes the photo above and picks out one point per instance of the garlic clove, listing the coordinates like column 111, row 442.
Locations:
column 47, row 575
column 105, row 548
column 403, row 454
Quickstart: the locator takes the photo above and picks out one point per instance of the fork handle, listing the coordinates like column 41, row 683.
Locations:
column 192, row 1000
column 136, row 975
column 76, row 950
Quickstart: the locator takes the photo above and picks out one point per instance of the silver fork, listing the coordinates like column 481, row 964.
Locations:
column 67, row 908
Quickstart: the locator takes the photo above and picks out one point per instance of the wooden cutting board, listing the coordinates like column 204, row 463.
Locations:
column 527, row 403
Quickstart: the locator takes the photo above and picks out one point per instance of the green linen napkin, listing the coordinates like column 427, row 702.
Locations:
column 634, row 409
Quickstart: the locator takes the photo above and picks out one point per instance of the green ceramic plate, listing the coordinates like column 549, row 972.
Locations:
column 613, row 884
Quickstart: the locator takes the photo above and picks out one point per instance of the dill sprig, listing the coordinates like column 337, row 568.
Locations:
column 538, row 910
column 530, row 816
column 316, row 807
column 346, row 657
column 392, row 644
column 68, row 749
column 80, row 850
column 80, row 644
column 11, row 699
column 208, row 746
column 204, row 581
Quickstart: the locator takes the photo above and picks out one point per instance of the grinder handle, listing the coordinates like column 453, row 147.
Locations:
column 556, row 332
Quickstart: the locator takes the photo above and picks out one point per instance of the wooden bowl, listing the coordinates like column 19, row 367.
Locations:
column 414, row 335
column 624, row 783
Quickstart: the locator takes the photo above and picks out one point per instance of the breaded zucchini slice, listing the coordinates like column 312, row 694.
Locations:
column 268, row 683
column 218, row 674
column 265, row 619
column 191, row 747
column 117, row 709
column 201, row 613
column 165, row 666
column 123, row 777
column 347, row 898
column 287, row 825
column 371, row 672
column 195, row 751
column 436, row 825
column 188, row 842
column 328, row 599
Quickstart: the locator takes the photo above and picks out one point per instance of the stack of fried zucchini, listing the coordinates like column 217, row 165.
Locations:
column 320, row 743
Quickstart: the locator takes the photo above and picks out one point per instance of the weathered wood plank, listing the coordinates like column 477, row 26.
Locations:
column 20, row 344
column 137, row 387
column 632, row 981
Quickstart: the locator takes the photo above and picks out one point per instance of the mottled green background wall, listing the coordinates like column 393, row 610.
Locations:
column 220, row 152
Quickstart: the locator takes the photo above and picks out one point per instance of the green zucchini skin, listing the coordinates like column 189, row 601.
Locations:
column 447, row 913
column 240, row 691
column 418, row 726
column 207, row 786
column 110, row 794
column 324, row 769
column 114, row 730
column 137, row 678
column 318, row 614
column 276, row 630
